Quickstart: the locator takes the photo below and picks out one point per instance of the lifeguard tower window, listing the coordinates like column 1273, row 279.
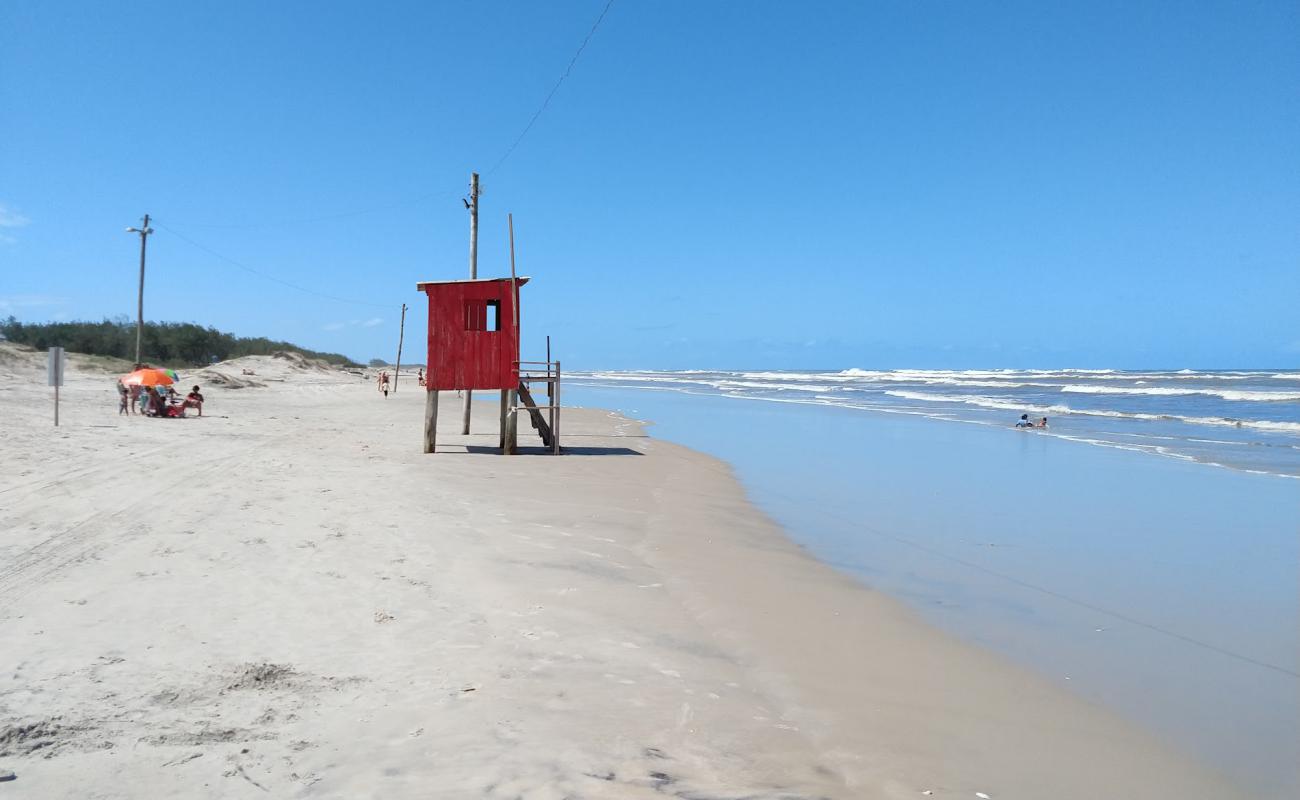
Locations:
column 482, row 315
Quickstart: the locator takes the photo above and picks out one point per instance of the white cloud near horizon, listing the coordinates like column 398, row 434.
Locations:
column 12, row 219
column 11, row 303
column 353, row 323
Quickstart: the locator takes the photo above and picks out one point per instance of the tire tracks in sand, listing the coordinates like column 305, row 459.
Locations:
column 115, row 502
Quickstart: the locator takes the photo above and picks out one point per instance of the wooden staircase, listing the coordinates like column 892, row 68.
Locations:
column 535, row 414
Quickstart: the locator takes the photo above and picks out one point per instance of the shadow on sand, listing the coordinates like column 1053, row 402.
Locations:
column 479, row 449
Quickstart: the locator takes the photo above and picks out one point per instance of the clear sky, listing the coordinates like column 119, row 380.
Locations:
column 738, row 184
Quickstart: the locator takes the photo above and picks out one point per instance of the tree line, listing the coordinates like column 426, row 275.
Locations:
column 173, row 343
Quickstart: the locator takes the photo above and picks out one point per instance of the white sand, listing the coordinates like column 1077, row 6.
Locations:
column 287, row 598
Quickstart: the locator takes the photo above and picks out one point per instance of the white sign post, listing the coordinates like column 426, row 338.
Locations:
column 54, row 372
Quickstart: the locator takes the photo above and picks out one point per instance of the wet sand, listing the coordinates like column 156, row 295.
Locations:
column 1163, row 590
column 287, row 598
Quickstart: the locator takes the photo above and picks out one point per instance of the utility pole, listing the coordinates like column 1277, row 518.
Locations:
column 144, row 232
column 472, row 205
column 473, row 225
column 401, row 333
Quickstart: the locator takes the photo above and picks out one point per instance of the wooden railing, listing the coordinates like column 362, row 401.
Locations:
column 548, row 424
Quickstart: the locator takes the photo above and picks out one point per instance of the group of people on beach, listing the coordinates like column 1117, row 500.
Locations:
column 381, row 381
column 157, row 401
column 1026, row 422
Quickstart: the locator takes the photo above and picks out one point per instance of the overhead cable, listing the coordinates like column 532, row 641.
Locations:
column 261, row 274
column 554, row 89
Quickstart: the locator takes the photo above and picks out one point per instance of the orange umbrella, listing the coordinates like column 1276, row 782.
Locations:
column 148, row 377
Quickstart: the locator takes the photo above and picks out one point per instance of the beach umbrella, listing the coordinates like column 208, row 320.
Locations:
column 171, row 373
column 148, row 377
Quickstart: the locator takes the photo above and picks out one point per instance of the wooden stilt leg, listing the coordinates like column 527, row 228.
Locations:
column 512, row 425
column 505, row 398
column 430, row 420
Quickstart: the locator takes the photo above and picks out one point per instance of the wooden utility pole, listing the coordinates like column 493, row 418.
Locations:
column 401, row 333
column 472, row 205
column 144, row 232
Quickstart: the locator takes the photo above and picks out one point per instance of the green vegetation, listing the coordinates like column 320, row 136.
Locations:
column 163, row 343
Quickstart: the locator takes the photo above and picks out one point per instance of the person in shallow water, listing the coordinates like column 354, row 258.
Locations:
column 1042, row 423
column 1024, row 422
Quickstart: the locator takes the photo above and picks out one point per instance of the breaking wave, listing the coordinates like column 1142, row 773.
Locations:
column 1005, row 405
column 1169, row 391
column 1248, row 419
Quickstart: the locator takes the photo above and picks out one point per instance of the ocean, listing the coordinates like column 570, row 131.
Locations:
column 1239, row 419
column 1141, row 550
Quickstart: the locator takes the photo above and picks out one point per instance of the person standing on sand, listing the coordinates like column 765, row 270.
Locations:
column 123, row 399
column 383, row 383
column 149, row 401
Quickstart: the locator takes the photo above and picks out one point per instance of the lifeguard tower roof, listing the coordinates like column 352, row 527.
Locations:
column 420, row 286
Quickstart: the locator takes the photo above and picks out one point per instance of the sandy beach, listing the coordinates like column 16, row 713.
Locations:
column 287, row 598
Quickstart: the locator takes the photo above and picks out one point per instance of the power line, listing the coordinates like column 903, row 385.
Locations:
column 554, row 89
column 259, row 273
column 327, row 217
column 568, row 70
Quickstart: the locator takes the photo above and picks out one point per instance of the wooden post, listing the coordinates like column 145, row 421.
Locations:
column 505, row 399
column 555, row 429
column 430, row 420
column 54, row 368
column 397, row 371
column 473, row 275
column 514, row 286
column 512, row 424
column 512, row 417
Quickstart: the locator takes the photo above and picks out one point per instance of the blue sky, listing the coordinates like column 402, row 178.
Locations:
column 767, row 185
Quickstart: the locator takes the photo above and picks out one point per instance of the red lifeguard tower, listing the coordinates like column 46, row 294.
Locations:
column 474, row 344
